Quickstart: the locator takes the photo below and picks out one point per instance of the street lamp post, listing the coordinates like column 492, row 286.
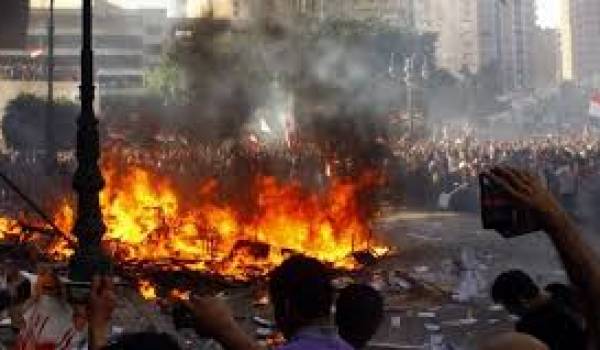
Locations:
column 50, row 149
column 89, row 258
column 408, row 80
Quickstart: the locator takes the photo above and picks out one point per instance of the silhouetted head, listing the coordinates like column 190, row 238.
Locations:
column 301, row 293
column 144, row 341
column 564, row 295
column 359, row 312
column 514, row 290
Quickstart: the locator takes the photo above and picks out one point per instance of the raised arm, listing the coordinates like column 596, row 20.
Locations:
column 579, row 260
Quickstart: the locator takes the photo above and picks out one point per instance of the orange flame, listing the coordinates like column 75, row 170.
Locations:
column 147, row 290
column 149, row 220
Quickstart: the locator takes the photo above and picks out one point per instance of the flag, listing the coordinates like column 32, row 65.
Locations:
column 595, row 105
column 14, row 17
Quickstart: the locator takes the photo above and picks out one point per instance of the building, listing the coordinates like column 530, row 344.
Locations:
column 456, row 24
column 566, row 41
column 517, row 23
column 474, row 34
column 126, row 43
column 546, row 58
column 395, row 12
column 582, row 27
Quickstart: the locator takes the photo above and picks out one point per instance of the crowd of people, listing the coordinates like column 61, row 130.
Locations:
column 419, row 172
column 428, row 169
column 303, row 299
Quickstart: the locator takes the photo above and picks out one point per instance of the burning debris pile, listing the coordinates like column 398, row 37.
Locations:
column 154, row 221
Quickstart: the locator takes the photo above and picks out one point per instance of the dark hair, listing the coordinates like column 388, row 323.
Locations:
column 512, row 286
column 144, row 341
column 563, row 294
column 359, row 312
column 305, row 284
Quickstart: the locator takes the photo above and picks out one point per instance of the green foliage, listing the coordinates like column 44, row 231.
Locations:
column 166, row 82
column 24, row 123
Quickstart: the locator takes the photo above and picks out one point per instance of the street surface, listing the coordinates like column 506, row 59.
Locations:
column 430, row 246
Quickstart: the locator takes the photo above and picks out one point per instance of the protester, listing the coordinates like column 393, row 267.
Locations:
column 48, row 320
column 358, row 314
column 302, row 297
column 540, row 315
column 580, row 261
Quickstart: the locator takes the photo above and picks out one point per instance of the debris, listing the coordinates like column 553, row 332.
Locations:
column 469, row 319
column 342, row 282
column 496, row 307
column 365, row 258
column 395, row 321
column 452, row 323
column 262, row 322
column 378, row 282
column 395, row 280
column 471, row 283
column 437, row 342
column 421, row 269
column 426, row 314
column 263, row 332
column 424, row 237
column 432, row 327
column 261, row 301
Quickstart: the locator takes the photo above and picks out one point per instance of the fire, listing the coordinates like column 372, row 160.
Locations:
column 9, row 228
column 147, row 290
column 150, row 219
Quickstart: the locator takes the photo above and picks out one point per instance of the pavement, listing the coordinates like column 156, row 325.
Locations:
column 431, row 245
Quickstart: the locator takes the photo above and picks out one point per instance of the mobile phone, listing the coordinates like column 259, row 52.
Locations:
column 500, row 213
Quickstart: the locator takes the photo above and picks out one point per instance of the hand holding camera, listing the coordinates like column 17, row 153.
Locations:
column 514, row 203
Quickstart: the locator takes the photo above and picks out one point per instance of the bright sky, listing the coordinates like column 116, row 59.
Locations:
column 141, row 3
column 548, row 13
column 122, row 3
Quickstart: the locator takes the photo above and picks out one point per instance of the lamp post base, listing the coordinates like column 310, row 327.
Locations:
column 88, row 262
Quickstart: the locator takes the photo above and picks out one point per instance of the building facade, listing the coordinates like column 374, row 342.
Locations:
column 546, row 58
column 584, row 20
column 517, row 25
column 473, row 34
column 127, row 42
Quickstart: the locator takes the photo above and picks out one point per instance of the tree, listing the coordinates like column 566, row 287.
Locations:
column 166, row 82
column 24, row 123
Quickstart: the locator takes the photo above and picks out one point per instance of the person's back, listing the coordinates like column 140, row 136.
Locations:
column 143, row 341
column 540, row 315
column 554, row 325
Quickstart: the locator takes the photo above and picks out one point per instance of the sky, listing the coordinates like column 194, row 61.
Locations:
column 548, row 13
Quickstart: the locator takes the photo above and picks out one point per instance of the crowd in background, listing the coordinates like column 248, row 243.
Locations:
column 418, row 172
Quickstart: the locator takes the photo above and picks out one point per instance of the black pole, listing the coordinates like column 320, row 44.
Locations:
column 89, row 258
column 50, row 147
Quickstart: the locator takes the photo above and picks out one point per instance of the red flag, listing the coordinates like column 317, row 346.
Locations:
column 595, row 105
